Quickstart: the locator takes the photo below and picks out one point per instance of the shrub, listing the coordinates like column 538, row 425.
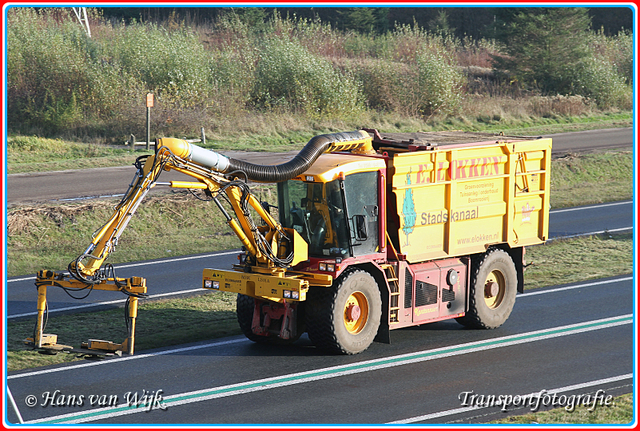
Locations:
column 51, row 79
column 288, row 76
column 617, row 50
column 439, row 84
column 428, row 86
column 599, row 79
column 173, row 64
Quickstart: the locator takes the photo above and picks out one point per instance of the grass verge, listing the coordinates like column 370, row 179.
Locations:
column 597, row 256
column 619, row 412
column 591, row 178
column 160, row 323
column 33, row 154
column 212, row 315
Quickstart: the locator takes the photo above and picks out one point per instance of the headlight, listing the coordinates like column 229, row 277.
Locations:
column 324, row 266
column 210, row 284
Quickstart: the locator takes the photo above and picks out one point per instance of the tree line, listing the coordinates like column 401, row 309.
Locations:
column 476, row 22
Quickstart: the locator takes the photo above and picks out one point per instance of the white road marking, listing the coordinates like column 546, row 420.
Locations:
column 550, row 391
column 131, row 265
column 577, row 286
column 129, row 358
column 590, row 207
column 14, row 405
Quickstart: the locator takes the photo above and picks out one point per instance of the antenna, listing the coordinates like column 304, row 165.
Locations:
column 81, row 14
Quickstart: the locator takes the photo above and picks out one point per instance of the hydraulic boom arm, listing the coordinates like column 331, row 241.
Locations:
column 270, row 247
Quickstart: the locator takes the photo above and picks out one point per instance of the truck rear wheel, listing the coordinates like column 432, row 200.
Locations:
column 345, row 318
column 492, row 293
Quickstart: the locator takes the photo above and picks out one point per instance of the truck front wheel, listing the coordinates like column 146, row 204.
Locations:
column 492, row 291
column 245, row 306
column 345, row 318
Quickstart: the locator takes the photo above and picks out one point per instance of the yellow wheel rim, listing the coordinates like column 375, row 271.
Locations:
column 494, row 289
column 356, row 312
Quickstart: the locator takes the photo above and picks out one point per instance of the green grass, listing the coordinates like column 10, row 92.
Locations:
column 596, row 256
column 34, row 154
column 546, row 126
column 211, row 315
column 619, row 412
column 160, row 323
column 593, row 178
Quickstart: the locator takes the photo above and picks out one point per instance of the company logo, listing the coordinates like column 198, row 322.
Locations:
column 460, row 169
column 428, row 218
column 420, row 311
column 408, row 210
column 526, row 213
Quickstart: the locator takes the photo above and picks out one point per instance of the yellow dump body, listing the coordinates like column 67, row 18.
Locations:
column 457, row 198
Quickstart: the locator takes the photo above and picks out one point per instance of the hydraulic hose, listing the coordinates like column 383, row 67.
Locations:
column 269, row 173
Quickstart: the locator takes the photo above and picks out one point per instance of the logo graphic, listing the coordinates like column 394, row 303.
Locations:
column 526, row 213
column 408, row 210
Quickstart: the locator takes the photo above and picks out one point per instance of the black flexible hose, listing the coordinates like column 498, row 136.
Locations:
column 294, row 167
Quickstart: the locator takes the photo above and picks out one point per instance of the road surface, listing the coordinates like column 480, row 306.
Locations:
column 565, row 341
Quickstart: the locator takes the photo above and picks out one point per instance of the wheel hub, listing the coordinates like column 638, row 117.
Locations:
column 353, row 312
column 356, row 312
column 494, row 289
column 491, row 289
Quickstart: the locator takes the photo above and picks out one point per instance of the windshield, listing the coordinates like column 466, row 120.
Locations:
column 316, row 211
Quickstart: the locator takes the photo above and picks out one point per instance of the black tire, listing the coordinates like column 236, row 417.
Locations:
column 492, row 291
column 244, row 312
column 345, row 318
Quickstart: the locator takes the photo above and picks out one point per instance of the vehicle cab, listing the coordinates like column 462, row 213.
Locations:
column 337, row 206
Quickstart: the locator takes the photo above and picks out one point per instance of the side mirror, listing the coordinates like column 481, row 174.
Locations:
column 361, row 227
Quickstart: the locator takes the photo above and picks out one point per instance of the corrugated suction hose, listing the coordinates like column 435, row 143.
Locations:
column 266, row 173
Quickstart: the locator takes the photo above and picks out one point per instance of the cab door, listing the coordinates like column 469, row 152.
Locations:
column 361, row 195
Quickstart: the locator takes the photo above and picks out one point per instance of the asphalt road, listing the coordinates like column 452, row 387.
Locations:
column 166, row 277
column 73, row 185
column 105, row 182
column 559, row 342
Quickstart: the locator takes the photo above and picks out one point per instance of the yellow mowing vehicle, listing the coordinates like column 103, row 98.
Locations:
column 373, row 232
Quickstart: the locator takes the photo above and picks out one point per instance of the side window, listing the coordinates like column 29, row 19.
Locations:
column 361, row 191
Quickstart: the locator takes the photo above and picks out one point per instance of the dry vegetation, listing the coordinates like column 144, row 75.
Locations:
column 282, row 78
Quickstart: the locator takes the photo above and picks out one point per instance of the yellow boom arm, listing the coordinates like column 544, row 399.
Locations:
column 270, row 247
